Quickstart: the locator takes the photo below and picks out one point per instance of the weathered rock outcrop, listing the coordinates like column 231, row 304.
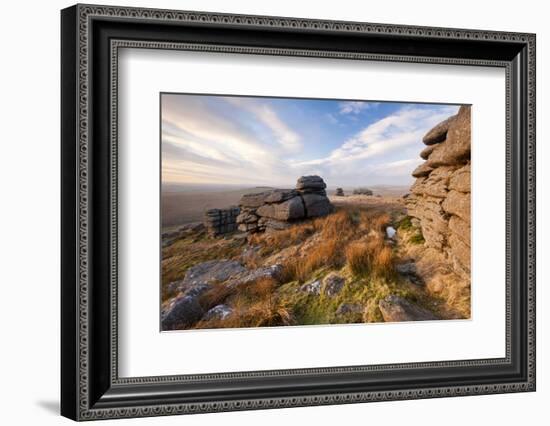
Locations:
column 188, row 306
column 340, row 192
column 362, row 191
column 184, row 311
column 333, row 284
column 277, row 209
column 211, row 271
column 440, row 196
column 218, row 312
column 221, row 221
column 395, row 308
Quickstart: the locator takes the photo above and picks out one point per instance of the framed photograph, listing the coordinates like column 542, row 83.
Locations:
column 263, row 212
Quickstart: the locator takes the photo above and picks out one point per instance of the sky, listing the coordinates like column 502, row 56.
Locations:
column 260, row 141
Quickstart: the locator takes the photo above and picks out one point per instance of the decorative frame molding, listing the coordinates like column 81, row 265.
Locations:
column 91, row 388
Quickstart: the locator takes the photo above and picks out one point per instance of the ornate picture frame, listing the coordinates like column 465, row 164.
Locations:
column 91, row 37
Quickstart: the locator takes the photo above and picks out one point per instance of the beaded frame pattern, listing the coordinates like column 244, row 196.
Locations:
column 87, row 12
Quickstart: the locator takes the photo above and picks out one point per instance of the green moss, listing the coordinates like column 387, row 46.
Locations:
column 405, row 223
column 311, row 309
column 417, row 238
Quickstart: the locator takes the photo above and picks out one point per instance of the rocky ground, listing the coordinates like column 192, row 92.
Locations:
column 364, row 262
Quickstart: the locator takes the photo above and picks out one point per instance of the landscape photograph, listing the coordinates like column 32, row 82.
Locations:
column 304, row 212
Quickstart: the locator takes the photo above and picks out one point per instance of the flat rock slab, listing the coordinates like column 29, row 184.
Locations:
column 249, row 276
column 310, row 182
column 425, row 153
column 395, row 308
column 291, row 209
column 254, row 200
column 439, row 133
column 212, row 271
column 218, row 312
column 280, row 195
column 333, row 284
column 423, row 170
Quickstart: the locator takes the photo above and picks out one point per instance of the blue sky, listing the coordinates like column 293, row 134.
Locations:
column 253, row 141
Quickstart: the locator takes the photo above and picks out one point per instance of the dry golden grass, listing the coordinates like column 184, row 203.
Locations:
column 379, row 222
column 371, row 256
column 339, row 225
column 261, row 289
column 254, row 305
column 326, row 254
column 358, row 257
column 285, row 238
column 383, row 262
column 264, row 313
column 340, row 235
column 454, row 291
column 351, row 241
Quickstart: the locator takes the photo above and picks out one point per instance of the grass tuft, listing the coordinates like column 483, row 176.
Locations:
column 372, row 256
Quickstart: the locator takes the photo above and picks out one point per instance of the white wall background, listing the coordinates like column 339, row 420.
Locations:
column 29, row 214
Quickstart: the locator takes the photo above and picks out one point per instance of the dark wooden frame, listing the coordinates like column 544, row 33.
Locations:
column 90, row 386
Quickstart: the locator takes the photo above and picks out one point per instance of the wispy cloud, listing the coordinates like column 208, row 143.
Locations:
column 376, row 149
column 248, row 141
column 284, row 135
column 355, row 107
column 391, row 133
column 331, row 118
column 209, row 143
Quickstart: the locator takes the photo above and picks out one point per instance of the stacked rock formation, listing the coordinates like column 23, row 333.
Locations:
column 440, row 196
column 362, row 191
column 277, row 209
column 221, row 221
column 340, row 192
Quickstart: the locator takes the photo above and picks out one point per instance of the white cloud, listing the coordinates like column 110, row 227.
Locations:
column 202, row 145
column 394, row 169
column 284, row 135
column 391, row 133
column 207, row 145
column 373, row 153
column 331, row 118
column 191, row 123
column 355, row 107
